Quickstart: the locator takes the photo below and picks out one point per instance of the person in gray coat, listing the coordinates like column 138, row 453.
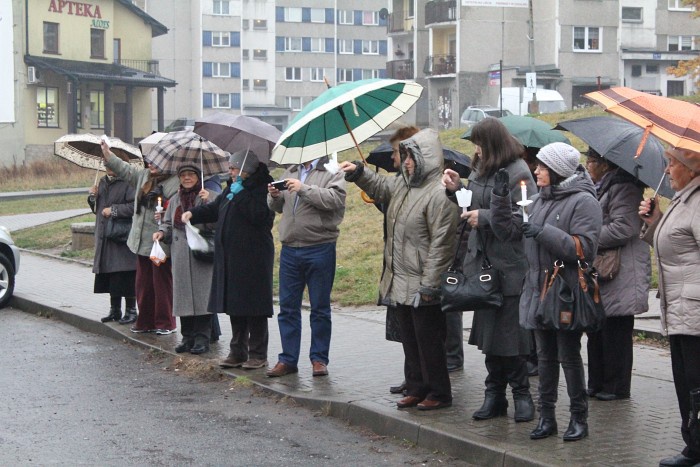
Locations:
column 497, row 332
column 626, row 294
column 566, row 205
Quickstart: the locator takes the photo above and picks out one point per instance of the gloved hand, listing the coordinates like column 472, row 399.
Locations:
column 500, row 182
column 531, row 230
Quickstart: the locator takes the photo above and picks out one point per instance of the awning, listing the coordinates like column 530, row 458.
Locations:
column 105, row 72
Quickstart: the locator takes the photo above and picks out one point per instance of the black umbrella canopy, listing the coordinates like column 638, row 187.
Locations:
column 617, row 140
column 455, row 160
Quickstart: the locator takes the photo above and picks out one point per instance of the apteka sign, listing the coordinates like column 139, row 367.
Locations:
column 75, row 8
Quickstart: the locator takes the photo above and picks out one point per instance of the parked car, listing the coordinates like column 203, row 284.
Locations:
column 9, row 266
column 476, row 113
column 180, row 124
column 517, row 100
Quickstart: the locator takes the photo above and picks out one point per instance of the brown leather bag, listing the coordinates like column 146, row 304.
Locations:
column 607, row 264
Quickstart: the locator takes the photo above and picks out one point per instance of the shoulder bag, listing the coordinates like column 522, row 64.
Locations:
column 607, row 264
column 571, row 308
column 117, row 229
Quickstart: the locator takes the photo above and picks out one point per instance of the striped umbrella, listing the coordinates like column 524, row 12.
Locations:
column 344, row 116
column 187, row 148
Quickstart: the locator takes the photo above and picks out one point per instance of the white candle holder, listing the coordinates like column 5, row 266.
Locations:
column 524, row 204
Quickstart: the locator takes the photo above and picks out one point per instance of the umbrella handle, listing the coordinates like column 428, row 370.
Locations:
column 366, row 198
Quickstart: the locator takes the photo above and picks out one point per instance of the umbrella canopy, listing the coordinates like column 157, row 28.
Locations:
column 187, row 148
column 146, row 144
column 531, row 132
column 381, row 157
column 239, row 132
column 617, row 141
column 344, row 116
column 676, row 122
column 84, row 150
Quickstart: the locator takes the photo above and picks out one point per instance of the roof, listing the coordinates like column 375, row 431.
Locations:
column 96, row 71
column 157, row 28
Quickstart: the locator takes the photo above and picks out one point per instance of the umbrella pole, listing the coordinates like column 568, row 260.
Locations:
column 201, row 163
column 97, row 174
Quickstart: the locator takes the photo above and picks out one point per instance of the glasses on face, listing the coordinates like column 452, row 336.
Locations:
column 541, row 167
column 592, row 162
column 187, row 174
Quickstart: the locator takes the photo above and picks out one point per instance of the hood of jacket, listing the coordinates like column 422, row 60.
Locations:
column 578, row 182
column 427, row 154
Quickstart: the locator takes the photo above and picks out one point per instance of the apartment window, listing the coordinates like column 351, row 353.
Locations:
column 652, row 69
column 587, row 39
column 370, row 47
column 292, row 44
column 411, row 10
column 292, row 15
column 318, row 15
column 345, row 17
column 370, row 18
column 345, row 46
column 221, row 7
column 221, row 70
column 260, row 84
column 220, row 39
column 318, row 44
column 631, row 14
column 636, row 70
column 47, row 107
column 245, row 24
column 50, row 38
column 678, row 5
column 676, row 43
column 221, row 100
column 370, row 74
column 259, row 54
column 292, row 73
column 97, row 43
column 344, row 75
column 316, row 74
column 245, row 84
column 97, row 109
column 293, row 102
column 260, row 24
column 244, row 54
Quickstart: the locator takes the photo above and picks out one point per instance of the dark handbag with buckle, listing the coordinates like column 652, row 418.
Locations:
column 117, row 229
column 566, row 308
column 607, row 264
column 460, row 292
column 206, row 256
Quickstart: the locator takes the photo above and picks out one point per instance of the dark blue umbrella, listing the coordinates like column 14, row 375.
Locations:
column 381, row 157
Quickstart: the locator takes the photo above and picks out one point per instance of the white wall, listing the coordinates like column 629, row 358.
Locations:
column 7, row 71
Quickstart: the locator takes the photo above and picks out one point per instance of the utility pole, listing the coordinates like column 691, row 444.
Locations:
column 533, row 106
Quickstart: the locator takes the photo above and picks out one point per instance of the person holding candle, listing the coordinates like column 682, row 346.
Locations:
column 497, row 168
column 566, row 205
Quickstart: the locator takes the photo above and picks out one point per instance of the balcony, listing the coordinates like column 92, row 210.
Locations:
column 398, row 22
column 440, row 11
column 400, row 69
column 147, row 66
column 440, row 65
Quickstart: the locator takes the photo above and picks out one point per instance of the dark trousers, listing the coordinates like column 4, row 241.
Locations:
column 154, row 295
column 685, row 362
column 250, row 337
column 454, row 342
column 423, row 338
column 610, row 356
column 554, row 348
column 196, row 329
column 507, row 370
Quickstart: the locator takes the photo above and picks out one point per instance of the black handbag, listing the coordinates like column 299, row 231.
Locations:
column 206, row 256
column 460, row 292
column 117, row 229
column 571, row 308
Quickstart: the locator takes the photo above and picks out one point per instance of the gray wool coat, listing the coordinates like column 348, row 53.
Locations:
column 628, row 293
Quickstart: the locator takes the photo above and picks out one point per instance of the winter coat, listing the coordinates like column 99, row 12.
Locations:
column 676, row 237
column 319, row 210
column 421, row 224
column 567, row 209
column 628, row 293
column 191, row 277
column 243, row 248
column 143, row 223
column 119, row 196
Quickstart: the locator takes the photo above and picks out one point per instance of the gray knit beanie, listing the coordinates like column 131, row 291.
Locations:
column 562, row 158
column 244, row 160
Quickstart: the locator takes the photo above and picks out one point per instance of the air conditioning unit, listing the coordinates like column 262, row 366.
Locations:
column 32, row 77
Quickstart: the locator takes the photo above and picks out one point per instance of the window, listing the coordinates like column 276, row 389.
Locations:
column 370, row 18
column 293, row 102
column 318, row 44
column 292, row 44
column 631, row 14
column 344, row 75
column 259, row 54
column 369, row 74
column 97, row 109
column 244, row 54
column 259, row 84
column 221, row 7
column 317, row 74
column 221, row 70
column 221, row 101
column 318, row 15
column 345, row 46
column 652, row 69
column 292, row 15
column 97, row 43
column 47, row 107
column 587, row 39
column 411, row 10
column 345, row 17
column 292, row 74
column 116, row 50
column 245, row 24
column 245, row 84
column 678, row 5
column 220, row 39
column 370, row 47
column 676, row 43
column 259, row 24
column 50, row 38
column 636, row 70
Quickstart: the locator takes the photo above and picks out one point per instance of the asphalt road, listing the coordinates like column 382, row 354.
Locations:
column 68, row 397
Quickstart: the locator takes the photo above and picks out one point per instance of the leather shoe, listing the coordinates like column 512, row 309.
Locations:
column 524, row 409
column 592, row 392
column 198, row 349
column 409, row 401
column 281, row 369
column 319, row 369
column 678, row 460
column 185, row 346
column 578, row 429
column 398, row 389
column 606, row 396
column 433, row 405
column 231, row 362
column 495, row 405
column 545, row 428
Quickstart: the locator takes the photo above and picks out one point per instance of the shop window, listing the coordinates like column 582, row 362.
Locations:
column 47, row 107
column 97, row 109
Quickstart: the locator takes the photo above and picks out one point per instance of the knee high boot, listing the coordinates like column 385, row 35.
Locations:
column 130, row 314
column 495, row 402
column 520, row 385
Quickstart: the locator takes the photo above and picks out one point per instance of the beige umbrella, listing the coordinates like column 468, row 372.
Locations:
column 84, row 150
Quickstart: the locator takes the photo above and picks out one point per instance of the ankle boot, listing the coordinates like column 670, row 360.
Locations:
column 524, row 408
column 185, row 346
column 545, row 428
column 129, row 316
column 578, row 429
column 495, row 405
column 115, row 314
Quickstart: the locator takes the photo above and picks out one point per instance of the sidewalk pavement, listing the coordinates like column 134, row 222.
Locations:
column 24, row 221
column 363, row 365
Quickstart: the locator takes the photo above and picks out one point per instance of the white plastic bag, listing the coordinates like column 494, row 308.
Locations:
column 195, row 240
column 332, row 165
column 157, row 254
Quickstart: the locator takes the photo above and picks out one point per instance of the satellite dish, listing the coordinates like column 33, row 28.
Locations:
column 383, row 13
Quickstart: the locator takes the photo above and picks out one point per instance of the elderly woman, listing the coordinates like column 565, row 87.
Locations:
column 421, row 227
column 675, row 236
column 191, row 276
column 627, row 293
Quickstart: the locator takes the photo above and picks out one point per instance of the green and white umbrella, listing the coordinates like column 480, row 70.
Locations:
column 344, row 116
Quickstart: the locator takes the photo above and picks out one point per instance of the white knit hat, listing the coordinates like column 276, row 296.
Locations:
column 562, row 158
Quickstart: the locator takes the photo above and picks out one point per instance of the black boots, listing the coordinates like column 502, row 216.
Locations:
column 201, row 344
column 185, row 345
column 115, row 314
column 495, row 405
column 129, row 316
column 545, row 428
column 578, row 429
column 524, row 408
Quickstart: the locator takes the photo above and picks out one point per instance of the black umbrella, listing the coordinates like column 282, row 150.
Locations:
column 381, row 157
column 617, row 140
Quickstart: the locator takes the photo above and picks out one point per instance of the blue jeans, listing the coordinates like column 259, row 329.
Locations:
column 312, row 266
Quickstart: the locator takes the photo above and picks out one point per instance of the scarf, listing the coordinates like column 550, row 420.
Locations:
column 188, row 197
column 235, row 188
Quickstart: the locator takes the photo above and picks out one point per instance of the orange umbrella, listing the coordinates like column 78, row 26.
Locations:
column 673, row 121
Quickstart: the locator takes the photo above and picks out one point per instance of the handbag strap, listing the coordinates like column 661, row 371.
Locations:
column 455, row 262
column 583, row 269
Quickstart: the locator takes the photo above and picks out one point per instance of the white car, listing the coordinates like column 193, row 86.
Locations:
column 476, row 113
column 9, row 265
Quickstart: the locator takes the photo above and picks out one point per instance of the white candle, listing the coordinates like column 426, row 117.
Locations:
column 523, row 190
column 160, row 206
